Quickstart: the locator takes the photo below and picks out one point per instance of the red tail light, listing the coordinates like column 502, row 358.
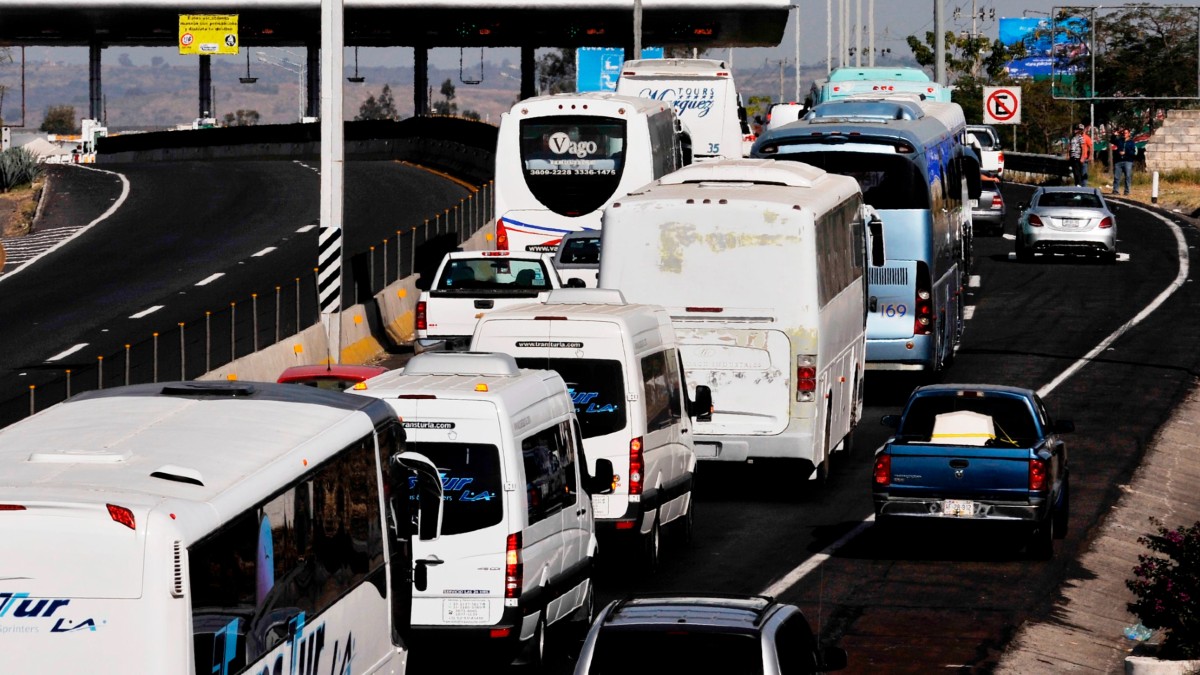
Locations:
column 501, row 235
column 513, row 566
column 1037, row 474
column 806, row 377
column 1034, row 221
column 11, row 507
column 122, row 515
column 923, row 321
column 636, row 467
column 1000, row 157
column 1106, row 223
column 883, row 470
column 422, row 320
column 997, row 201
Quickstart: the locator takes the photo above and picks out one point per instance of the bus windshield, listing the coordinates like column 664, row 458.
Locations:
column 887, row 181
column 573, row 164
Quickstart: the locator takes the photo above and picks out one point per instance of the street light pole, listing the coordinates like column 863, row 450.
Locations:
column 287, row 65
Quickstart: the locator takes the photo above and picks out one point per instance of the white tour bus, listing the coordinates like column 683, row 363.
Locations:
column 761, row 265
column 704, row 97
column 561, row 159
column 209, row 527
column 622, row 365
column 517, row 545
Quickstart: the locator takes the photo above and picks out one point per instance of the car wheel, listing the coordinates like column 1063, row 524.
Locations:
column 652, row 546
column 581, row 621
column 1062, row 515
column 535, row 652
column 1041, row 540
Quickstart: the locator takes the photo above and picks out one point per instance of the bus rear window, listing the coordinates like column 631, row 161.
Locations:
column 470, row 483
column 597, row 388
column 886, row 181
column 573, row 164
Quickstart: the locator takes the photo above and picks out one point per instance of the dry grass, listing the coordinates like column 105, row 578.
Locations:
column 17, row 209
column 1176, row 190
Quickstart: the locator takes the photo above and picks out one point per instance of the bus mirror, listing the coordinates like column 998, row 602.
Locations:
column 600, row 482
column 428, row 492
column 420, row 576
column 575, row 282
column 702, row 406
column 875, row 226
column 422, row 283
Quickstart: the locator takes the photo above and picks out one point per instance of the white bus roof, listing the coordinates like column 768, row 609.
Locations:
column 604, row 103
column 764, row 171
column 467, row 376
column 213, row 449
column 675, row 68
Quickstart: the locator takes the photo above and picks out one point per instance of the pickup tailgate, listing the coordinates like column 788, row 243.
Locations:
column 923, row 470
column 450, row 313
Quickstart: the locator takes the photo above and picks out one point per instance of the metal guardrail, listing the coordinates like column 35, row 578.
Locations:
column 1046, row 165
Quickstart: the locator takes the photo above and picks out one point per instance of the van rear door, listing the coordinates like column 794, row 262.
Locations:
column 465, row 565
column 748, row 370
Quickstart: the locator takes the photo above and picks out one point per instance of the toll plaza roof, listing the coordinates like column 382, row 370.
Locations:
column 425, row 23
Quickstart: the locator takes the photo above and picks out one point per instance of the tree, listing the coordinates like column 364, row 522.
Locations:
column 243, row 118
column 124, row 60
column 59, row 119
column 972, row 62
column 1045, row 120
column 446, row 106
column 382, row 108
column 556, row 71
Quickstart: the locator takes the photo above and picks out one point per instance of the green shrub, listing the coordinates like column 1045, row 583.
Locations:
column 18, row 167
column 1168, row 589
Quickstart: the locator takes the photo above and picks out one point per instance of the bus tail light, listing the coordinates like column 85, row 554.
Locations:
column 636, row 469
column 924, row 322
column 1034, row 221
column 1037, row 474
column 514, row 568
column 883, row 470
column 806, row 378
column 501, row 235
column 422, row 319
column 1106, row 223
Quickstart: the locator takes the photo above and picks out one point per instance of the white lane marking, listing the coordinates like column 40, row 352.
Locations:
column 792, row 578
column 973, row 281
column 968, row 312
column 146, row 312
column 306, row 228
column 1010, row 237
column 210, row 278
column 1180, row 279
column 103, row 216
column 263, row 252
column 65, row 354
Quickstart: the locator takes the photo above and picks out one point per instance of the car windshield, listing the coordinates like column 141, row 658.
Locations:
column 597, row 387
column 493, row 274
column 653, row 651
column 1087, row 200
column 580, row 251
column 1012, row 417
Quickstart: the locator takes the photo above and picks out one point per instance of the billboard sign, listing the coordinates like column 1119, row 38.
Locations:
column 208, row 34
column 1053, row 48
column 599, row 68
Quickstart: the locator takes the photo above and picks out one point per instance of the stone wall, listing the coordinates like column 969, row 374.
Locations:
column 1175, row 145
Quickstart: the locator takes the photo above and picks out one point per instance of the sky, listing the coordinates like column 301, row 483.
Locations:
column 894, row 20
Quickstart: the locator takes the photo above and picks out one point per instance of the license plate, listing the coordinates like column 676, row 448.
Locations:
column 707, row 450
column 1072, row 222
column 958, row 508
column 465, row 611
column 600, row 505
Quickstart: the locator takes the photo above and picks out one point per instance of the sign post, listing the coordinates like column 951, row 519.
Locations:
column 1001, row 105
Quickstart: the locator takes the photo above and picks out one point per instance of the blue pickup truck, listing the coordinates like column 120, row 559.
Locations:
column 976, row 453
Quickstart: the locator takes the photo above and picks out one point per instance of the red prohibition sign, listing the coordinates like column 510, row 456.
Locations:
column 1002, row 104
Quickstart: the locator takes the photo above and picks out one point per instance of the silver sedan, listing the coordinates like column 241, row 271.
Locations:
column 1067, row 220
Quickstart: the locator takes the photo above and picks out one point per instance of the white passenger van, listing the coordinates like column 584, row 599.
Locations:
column 208, row 527
column 622, row 365
column 761, row 266
column 517, row 546
column 704, row 97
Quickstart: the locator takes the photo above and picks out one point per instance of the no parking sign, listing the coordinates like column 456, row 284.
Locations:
column 1001, row 105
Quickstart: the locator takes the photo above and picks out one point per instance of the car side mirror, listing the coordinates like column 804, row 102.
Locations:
column 832, row 658
column 576, row 282
column 702, row 406
column 600, row 482
column 891, row 421
column 422, row 283
column 1063, row 427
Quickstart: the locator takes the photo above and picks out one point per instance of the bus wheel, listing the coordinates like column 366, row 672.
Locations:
column 823, row 467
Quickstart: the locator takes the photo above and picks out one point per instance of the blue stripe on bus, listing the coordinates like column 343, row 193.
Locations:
column 543, row 228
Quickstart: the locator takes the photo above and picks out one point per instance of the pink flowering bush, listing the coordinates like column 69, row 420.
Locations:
column 1167, row 588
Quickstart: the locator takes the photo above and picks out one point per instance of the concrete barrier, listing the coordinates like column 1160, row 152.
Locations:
column 265, row 365
column 358, row 343
column 397, row 309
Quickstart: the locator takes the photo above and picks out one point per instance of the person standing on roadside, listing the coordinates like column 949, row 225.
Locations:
column 1124, row 152
column 1075, row 155
column 1088, row 154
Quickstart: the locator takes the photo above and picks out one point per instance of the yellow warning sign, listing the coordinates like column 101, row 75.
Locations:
column 208, row 33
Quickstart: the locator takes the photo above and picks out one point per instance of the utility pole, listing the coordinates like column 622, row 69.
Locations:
column 858, row 33
column 796, row 9
column 782, row 63
column 829, row 39
column 939, row 42
column 871, row 31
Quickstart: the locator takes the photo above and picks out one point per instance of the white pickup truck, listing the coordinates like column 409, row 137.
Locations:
column 468, row 284
column 986, row 142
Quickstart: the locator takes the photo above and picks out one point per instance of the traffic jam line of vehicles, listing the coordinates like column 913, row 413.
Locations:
column 561, row 425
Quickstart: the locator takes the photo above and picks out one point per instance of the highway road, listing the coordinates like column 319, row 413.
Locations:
column 187, row 238
column 934, row 599
column 944, row 599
